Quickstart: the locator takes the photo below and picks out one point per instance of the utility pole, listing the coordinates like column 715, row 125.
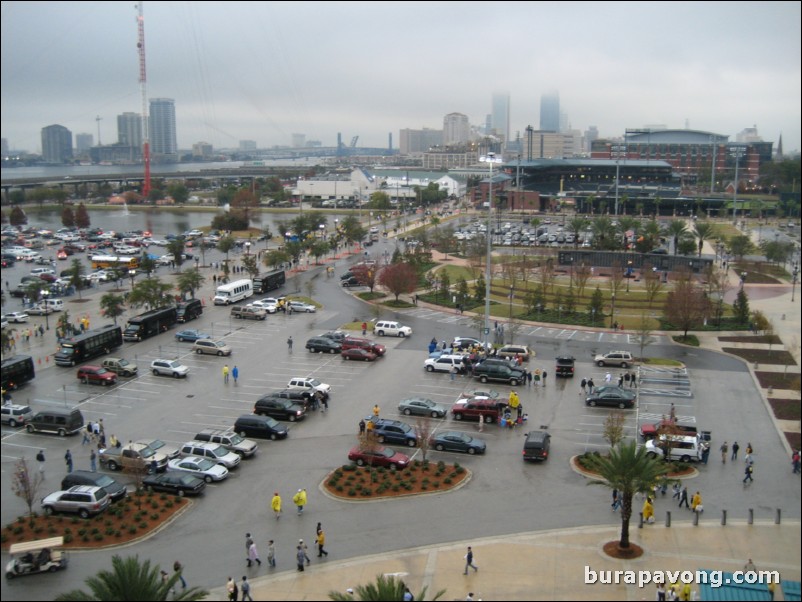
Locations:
column 97, row 119
column 143, row 87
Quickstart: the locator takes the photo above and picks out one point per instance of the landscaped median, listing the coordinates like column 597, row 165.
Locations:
column 351, row 482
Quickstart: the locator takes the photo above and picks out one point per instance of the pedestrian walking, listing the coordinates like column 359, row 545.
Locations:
column 321, row 541
column 361, row 427
column 253, row 555
column 299, row 558
column 626, row 378
column 68, row 460
column 748, row 473
column 616, row 500
column 225, row 374
column 324, row 399
column 749, row 449
column 632, row 380
column 469, row 562
column 529, row 377
column 289, row 344
column 231, row 588
column 582, row 385
column 735, row 448
column 271, row 553
column 591, row 386
column 178, row 568
column 92, row 460
column 305, row 550
column 696, row 502
column 544, row 375
column 248, row 542
column 235, row 374
column 683, row 498
column 364, row 328
column 795, row 462
column 376, row 410
column 275, row 505
column 86, row 432
column 677, row 489
column 705, row 452
column 299, row 499
column 608, row 378
column 620, row 380
column 724, row 449
column 245, row 588
column 672, row 413
column 40, row 457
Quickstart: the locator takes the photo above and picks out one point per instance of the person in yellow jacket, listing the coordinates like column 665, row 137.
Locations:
column 300, row 500
column 696, row 502
column 321, row 541
column 648, row 510
column 275, row 505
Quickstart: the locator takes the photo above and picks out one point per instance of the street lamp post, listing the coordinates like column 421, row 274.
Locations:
column 737, row 152
column 617, row 150
column 612, row 309
column 795, row 274
column 46, row 294
column 132, row 274
column 512, row 293
column 593, row 316
column 490, row 158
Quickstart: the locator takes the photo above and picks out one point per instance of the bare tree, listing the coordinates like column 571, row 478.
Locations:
column 582, row 274
column 547, row 277
column 643, row 332
column 26, row 485
column 687, row 305
column 423, row 430
column 616, row 277
column 651, row 283
column 613, row 431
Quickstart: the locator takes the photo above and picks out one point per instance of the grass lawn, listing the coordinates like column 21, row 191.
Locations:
column 763, row 356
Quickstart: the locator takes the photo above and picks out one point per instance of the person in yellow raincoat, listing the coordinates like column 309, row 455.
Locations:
column 275, row 505
column 696, row 502
column 300, row 500
column 648, row 510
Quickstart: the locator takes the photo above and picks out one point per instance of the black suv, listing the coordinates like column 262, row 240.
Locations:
column 116, row 490
column 565, row 366
column 323, row 345
column 280, row 409
column 485, row 372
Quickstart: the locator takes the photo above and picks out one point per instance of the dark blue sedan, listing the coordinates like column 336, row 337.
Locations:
column 191, row 335
column 456, row 441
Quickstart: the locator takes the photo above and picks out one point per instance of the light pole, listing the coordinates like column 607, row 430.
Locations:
column 737, row 152
column 512, row 293
column 490, row 158
column 617, row 150
column 612, row 308
column 46, row 294
column 322, row 228
column 593, row 316
column 795, row 273
column 132, row 274
column 629, row 274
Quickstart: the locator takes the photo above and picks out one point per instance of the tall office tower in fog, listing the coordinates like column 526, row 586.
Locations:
column 247, row 145
column 163, row 136
column 56, row 144
column 298, row 140
column 591, row 134
column 129, row 129
column 501, row 115
column 456, row 129
column 83, row 142
column 550, row 112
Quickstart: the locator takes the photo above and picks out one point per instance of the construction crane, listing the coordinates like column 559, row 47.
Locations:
column 354, row 141
column 144, row 90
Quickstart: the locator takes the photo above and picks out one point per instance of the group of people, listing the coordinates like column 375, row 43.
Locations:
column 732, row 452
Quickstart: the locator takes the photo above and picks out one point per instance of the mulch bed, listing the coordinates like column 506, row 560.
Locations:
column 123, row 522
column 794, row 440
column 763, row 356
column 778, row 380
column 786, row 409
column 351, row 482
column 758, row 339
column 612, row 549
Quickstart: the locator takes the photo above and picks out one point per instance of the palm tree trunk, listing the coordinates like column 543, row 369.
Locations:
column 626, row 513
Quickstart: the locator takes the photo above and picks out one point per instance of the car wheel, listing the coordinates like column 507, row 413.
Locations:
column 83, row 513
column 29, row 428
column 483, row 378
column 175, row 374
column 488, row 419
column 457, row 416
column 401, row 334
column 651, row 455
column 600, row 363
column 180, row 493
column 219, row 353
column 345, row 357
column 113, row 466
column 435, row 415
column 105, row 383
column 471, row 451
column 85, row 380
column 624, row 365
column 514, row 382
column 686, row 458
column 12, row 423
column 273, row 436
column 207, row 478
column 407, row 412
column 62, row 433
column 198, row 351
column 360, row 462
column 439, row 447
column 333, row 351
column 411, row 443
column 429, row 368
column 393, row 467
column 381, row 333
column 292, row 418
column 48, row 510
column 592, row 403
column 155, row 372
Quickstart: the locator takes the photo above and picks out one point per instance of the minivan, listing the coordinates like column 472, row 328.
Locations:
column 536, row 446
column 213, row 451
column 56, row 421
column 54, row 304
column 189, row 310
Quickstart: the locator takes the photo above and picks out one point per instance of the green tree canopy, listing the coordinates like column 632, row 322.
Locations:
column 189, row 282
column 151, row 292
column 112, row 306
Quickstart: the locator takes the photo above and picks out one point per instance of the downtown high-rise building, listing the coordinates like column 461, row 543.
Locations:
column 162, row 130
column 56, row 144
column 456, row 129
column 501, row 115
column 83, row 142
column 550, row 112
column 129, row 134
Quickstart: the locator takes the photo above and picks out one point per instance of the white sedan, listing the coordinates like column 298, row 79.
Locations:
column 16, row 317
column 203, row 468
column 266, row 304
column 302, row 307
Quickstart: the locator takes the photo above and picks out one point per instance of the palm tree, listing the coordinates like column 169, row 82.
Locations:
column 386, row 587
column 703, row 231
column 629, row 470
column 603, row 233
column 576, row 226
column 131, row 579
column 189, row 282
column 625, row 224
column 677, row 228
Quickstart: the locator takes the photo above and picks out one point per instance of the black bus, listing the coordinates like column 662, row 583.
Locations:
column 89, row 344
column 17, row 371
column 265, row 283
column 150, row 323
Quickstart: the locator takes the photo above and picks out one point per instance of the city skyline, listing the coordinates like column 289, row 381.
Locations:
column 265, row 71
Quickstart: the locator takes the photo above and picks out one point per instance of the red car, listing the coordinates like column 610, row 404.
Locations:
column 356, row 353
column 360, row 343
column 96, row 375
column 378, row 456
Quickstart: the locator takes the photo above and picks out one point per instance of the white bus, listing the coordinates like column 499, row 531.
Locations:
column 233, row 292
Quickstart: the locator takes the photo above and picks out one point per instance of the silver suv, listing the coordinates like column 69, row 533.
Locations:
column 16, row 415
column 231, row 440
column 622, row 359
column 213, row 451
column 83, row 500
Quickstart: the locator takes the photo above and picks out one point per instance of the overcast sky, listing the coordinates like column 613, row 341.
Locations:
column 265, row 70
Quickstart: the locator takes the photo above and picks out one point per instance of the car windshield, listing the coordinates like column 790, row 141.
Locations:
column 123, row 362
column 271, row 422
column 175, row 364
column 156, row 444
column 236, row 439
column 104, row 481
column 205, row 464
column 220, row 452
column 147, row 452
column 314, row 382
column 219, row 344
column 386, row 452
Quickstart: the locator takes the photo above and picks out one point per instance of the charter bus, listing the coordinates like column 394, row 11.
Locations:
column 265, row 283
column 89, row 344
column 233, row 292
column 17, row 371
column 150, row 323
column 102, row 262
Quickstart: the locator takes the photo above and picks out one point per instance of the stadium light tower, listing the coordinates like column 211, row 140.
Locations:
column 490, row 159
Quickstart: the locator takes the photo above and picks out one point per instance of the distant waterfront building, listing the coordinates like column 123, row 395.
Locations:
column 591, row 134
column 414, row 142
column 4, row 147
column 162, row 130
column 83, row 142
column 56, row 144
column 202, row 150
column 298, row 140
column 540, row 144
column 456, row 129
column 550, row 112
column 129, row 135
column 247, row 145
column 501, row 115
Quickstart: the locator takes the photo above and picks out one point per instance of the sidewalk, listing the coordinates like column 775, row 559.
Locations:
column 547, row 565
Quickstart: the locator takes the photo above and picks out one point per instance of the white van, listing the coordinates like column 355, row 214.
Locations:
column 54, row 304
column 683, row 449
